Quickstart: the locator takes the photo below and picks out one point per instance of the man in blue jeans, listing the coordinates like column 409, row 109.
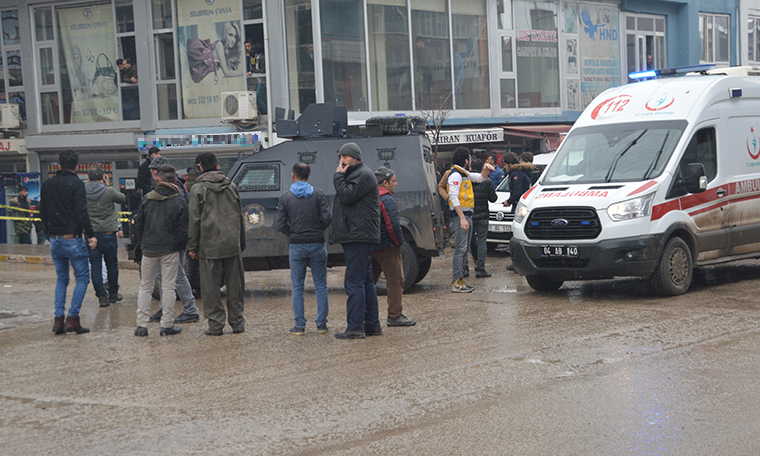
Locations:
column 303, row 214
column 101, row 198
column 63, row 210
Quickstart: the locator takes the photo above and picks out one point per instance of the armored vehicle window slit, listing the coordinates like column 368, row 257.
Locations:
column 259, row 177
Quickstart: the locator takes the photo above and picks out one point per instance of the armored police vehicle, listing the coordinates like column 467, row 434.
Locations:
column 398, row 143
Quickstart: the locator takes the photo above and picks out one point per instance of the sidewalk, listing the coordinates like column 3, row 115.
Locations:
column 40, row 254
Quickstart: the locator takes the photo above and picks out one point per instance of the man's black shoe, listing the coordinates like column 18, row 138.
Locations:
column 187, row 318
column 171, row 331
column 103, row 301
column 141, row 331
column 209, row 332
column 157, row 316
column 238, row 331
column 482, row 274
column 350, row 335
column 113, row 298
column 373, row 331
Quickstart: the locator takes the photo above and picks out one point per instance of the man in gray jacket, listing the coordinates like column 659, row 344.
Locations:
column 101, row 198
column 216, row 235
column 303, row 214
column 356, row 226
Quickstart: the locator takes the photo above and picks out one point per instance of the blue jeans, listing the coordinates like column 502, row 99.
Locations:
column 361, row 306
column 64, row 251
column 106, row 249
column 315, row 256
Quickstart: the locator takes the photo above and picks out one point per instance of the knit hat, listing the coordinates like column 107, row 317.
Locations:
column 351, row 150
column 382, row 174
column 158, row 161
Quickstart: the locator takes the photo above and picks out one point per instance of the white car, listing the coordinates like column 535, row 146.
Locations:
column 500, row 217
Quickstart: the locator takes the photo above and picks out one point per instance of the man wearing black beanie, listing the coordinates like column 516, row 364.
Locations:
column 356, row 226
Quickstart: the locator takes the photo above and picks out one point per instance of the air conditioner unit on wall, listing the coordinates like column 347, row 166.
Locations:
column 239, row 106
column 9, row 116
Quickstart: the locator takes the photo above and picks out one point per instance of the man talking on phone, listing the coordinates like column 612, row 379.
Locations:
column 356, row 227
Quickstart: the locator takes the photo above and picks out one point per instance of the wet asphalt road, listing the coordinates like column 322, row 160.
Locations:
column 602, row 368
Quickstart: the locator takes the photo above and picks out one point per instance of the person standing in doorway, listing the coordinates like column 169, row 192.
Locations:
column 63, row 209
column 303, row 215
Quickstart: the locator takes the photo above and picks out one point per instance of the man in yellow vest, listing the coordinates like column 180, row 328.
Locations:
column 461, row 207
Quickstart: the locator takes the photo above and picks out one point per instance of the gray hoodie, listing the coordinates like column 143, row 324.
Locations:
column 100, row 206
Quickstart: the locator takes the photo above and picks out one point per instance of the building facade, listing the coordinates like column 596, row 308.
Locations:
column 488, row 63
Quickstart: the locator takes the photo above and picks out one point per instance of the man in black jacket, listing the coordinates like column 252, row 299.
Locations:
column 386, row 256
column 356, row 226
column 144, row 178
column 63, row 209
column 483, row 193
column 303, row 214
column 161, row 230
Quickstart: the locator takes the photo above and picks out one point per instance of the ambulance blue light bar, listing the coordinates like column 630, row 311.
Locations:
column 648, row 74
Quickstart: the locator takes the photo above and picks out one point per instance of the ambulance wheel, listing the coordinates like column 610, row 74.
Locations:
column 675, row 269
column 543, row 283
column 424, row 268
column 411, row 265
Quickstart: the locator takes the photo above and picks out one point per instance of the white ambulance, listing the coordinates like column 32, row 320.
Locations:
column 654, row 179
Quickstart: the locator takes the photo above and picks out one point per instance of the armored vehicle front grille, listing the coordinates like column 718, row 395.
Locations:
column 563, row 223
column 561, row 263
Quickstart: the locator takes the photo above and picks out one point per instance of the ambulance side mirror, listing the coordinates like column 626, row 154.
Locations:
column 695, row 179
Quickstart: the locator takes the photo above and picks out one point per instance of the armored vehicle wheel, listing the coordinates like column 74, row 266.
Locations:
column 411, row 265
column 543, row 283
column 675, row 269
column 424, row 268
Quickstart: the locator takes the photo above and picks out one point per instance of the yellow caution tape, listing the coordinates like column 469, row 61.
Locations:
column 24, row 219
column 20, row 209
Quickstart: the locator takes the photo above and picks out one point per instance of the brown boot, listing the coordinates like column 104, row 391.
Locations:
column 58, row 325
column 73, row 325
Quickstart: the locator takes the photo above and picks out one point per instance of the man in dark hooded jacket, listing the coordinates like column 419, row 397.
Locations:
column 217, row 238
column 483, row 193
column 356, row 226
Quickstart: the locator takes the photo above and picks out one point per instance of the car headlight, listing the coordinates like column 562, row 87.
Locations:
column 521, row 212
column 631, row 209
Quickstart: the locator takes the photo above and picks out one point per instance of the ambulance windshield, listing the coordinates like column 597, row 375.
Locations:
column 614, row 153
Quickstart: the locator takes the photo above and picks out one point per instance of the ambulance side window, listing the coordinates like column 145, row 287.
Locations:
column 702, row 149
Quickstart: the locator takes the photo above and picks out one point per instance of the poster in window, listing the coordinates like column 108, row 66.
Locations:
column 571, row 17
column 599, row 51
column 573, row 95
column 87, row 39
column 572, row 56
column 537, row 52
column 211, row 51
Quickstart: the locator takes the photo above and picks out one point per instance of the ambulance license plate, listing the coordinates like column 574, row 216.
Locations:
column 559, row 251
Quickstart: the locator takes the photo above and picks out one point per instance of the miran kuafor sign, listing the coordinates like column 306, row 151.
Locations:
column 469, row 136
